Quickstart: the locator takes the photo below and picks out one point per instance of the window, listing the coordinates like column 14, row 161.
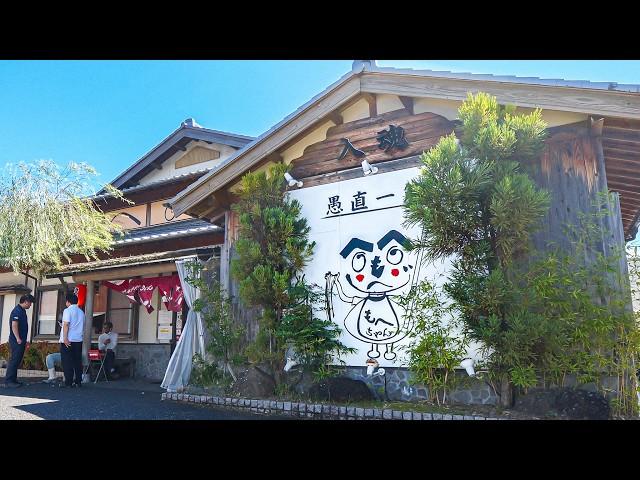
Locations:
column 50, row 306
column 113, row 306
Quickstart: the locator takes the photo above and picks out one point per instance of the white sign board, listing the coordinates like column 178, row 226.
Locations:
column 360, row 262
column 165, row 317
column 164, row 332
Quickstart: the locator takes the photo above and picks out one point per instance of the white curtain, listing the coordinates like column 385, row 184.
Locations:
column 191, row 339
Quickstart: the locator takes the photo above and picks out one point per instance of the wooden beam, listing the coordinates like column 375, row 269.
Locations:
column 222, row 199
column 336, row 118
column 125, row 272
column 596, row 125
column 567, row 99
column 371, row 100
column 407, row 102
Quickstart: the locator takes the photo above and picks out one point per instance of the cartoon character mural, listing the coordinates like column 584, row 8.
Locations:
column 378, row 273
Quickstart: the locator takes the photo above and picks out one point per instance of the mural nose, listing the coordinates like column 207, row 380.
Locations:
column 376, row 269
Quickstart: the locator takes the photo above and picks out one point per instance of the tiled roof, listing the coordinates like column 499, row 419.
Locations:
column 162, row 181
column 370, row 66
column 168, row 230
column 552, row 82
column 131, row 260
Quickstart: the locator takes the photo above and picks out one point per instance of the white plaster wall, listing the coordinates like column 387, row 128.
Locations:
column 357, row 111
column 168, row 166
column 148, row 322
column 387, row 103
column 9, row 303
column 447, row 108
column 13, row 279
column 315, row 136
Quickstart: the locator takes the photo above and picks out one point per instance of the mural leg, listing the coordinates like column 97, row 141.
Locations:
column 389, row 354
column 373, row 353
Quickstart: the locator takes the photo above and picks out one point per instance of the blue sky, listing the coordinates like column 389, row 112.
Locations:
column 110, row 113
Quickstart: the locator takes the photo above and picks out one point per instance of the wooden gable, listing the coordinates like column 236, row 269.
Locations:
column 421, row 131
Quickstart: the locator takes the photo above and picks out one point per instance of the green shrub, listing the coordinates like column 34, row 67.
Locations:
column 35, row 354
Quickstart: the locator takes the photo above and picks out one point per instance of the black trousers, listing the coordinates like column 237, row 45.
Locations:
column 72, row 363
column 17, row 352
column 108, row 362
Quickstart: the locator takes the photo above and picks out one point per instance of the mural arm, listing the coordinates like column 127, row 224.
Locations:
column 333, row 280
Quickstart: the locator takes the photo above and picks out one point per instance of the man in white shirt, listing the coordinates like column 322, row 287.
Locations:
column 108, row 341
column 71, row 342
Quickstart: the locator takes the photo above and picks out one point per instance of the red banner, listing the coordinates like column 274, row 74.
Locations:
column 140, row 291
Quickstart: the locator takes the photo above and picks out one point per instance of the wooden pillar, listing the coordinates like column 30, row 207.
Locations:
column 88, row 322
column 224, row 256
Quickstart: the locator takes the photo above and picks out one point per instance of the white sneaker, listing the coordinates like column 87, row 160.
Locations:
column 50, row 380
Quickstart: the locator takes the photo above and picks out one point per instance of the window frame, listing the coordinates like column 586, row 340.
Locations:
column 59, row 309
column 135, row 309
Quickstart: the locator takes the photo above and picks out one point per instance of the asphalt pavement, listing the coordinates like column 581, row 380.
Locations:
column 123, row 400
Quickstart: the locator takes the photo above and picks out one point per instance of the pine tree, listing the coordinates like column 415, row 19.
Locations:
column 273, row 248
column 475, row 203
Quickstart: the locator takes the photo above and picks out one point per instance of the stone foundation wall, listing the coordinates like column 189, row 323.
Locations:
column 399, row 387
column 151, row 359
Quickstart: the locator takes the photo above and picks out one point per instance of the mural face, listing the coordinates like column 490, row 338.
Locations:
column 377, row 272
column 361, row 262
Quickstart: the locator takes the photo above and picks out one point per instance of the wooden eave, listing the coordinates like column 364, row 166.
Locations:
column 618, row 107
column 621, row 148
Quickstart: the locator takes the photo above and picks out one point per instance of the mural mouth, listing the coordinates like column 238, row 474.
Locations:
column 375, row 282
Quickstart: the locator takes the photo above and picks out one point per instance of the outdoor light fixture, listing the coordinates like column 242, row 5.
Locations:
column 467, row 364
column 372, row 365
column 292, row 181
column 368, row 169
column 290, row 361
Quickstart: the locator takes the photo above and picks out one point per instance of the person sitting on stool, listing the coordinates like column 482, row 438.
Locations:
column 51, row 361
column 108, row 341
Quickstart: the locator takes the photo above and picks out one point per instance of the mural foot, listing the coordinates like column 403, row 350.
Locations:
column 390, row 355
column 373, row 353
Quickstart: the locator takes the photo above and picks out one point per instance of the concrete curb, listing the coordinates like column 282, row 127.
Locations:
column 317, row 411
column 31, row 373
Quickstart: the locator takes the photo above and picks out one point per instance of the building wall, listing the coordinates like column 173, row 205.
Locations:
column 9, row 303
column 151, row 359
column 168, row 167
column 316, row 135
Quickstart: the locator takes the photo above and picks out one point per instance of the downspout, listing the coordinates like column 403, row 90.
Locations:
column 35, row 292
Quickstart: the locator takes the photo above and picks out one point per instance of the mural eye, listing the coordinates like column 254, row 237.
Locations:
column 359, row 261
column 394, row 256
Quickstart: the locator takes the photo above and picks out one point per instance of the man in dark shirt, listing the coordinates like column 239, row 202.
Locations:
column 18, row 338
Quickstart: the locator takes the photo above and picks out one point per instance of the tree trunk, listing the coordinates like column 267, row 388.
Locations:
column 506, row 392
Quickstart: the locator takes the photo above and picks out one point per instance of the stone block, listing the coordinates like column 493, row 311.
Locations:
column 342, row 411
column 387, row 414
column 334, row 410
column 280, row 405
column 437, row 416
column 397, row 415
column 317, row 409
column 447, row 417
column 467, row 417
column 458, row 417
column 377, row 413
column 351, row 411
column 287, row 406
column 427, row 416
column 359, row 412
column 416, row 416
column 273, row 404
column 368, row 412
column 406, row 415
